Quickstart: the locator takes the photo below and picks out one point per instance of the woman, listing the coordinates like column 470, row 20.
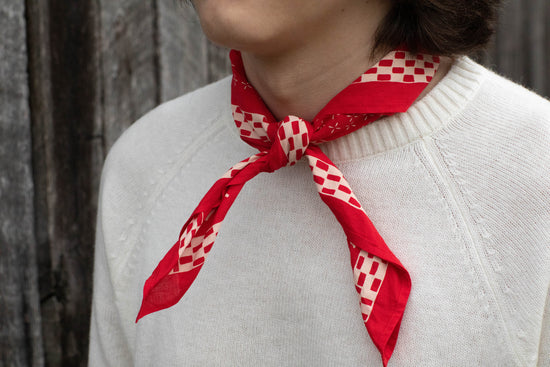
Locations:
column 448, row 160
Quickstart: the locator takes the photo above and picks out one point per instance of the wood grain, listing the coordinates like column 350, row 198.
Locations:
column 65, row 119
column 182, row 50
column 20, row 334
column 128, row 75
column 522, row 44
column 42, row 132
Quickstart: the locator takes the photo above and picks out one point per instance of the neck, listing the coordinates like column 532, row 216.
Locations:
column 302, row 79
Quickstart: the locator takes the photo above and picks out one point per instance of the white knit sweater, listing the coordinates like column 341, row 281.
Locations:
column 459, row 188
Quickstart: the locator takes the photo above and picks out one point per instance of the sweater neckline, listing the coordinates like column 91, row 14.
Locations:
column 426, row 116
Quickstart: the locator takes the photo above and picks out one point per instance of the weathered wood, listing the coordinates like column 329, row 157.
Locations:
column 535, row 46
column 65, row 100
column 182, row 49
column 20, row 337
column 509, row 57
column 546, row 46
column 187, row 60
column 42, row 133
column 521, row 49
column 129, row 77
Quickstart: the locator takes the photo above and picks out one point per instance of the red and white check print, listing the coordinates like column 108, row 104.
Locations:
column 193, row 250
column 293, row 135
column 397, row 67
column 239, row 166
column 369, row 272
column 251, row 125
column 382, row 282
column 330, row 181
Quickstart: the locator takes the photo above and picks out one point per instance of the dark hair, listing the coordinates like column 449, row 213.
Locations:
column 443, row 27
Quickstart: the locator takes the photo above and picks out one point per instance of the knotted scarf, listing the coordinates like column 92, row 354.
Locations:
column 383, row 284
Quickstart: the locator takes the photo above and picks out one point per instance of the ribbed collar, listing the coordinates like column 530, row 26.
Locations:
column 427, row 115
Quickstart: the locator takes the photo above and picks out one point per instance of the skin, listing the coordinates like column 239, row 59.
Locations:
column 298, row 54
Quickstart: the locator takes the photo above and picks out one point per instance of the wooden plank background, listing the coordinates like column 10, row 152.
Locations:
column 73, row 76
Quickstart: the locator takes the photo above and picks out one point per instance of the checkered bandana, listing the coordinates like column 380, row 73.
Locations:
column 382, row 282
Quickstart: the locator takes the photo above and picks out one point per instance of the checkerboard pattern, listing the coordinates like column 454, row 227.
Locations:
column 330, row 181
column 250, row 125
column 294, row 138
column 402, row 67
column 369, row 272
column 239, row 166
column 193, row 250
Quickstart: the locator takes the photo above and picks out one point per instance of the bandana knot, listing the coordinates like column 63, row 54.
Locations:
column 291, row 142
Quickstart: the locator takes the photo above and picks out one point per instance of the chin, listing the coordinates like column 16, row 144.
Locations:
column 231, row 24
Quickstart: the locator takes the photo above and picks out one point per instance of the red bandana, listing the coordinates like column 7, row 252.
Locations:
column 382, row 282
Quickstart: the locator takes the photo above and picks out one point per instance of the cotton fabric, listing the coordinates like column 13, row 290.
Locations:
column 381, row 281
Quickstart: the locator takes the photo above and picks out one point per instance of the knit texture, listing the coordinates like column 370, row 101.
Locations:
column 458, row 187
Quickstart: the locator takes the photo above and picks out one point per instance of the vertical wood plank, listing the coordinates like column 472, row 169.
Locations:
column 535, row 47
column 65, row 100
column 129, row 82
column 510, row 56
column 521, row 47
column 546, row 46
column 42, row 137
column 20, row 337
column 182, row 50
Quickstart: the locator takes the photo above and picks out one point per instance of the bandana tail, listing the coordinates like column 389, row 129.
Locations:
column 180, row 266
column 381, row 281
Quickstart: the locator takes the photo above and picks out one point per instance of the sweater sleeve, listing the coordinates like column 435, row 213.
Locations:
column 108, row 345
column 544, row 346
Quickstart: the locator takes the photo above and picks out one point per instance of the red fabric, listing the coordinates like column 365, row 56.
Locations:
column 383, row 284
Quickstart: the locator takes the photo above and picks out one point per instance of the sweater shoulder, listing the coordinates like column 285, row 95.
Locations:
column 504, row 132
column 524, row 119
column 507, row 99
column 167, row 134
column 505, row 119
column 148, row 154
column 497, row 154
column 177, row 121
